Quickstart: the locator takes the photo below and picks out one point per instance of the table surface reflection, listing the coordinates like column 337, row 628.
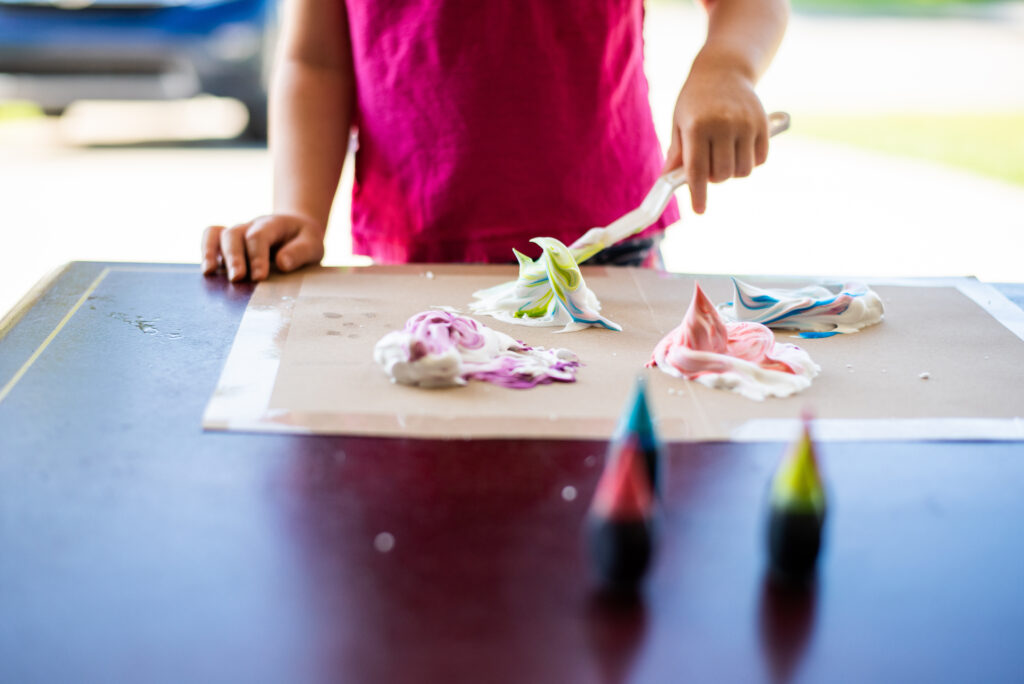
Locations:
column 135, row 546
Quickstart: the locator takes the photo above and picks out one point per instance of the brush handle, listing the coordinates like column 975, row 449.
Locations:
column 597, row 239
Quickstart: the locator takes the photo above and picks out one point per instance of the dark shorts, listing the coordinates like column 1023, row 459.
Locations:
column 644, row 251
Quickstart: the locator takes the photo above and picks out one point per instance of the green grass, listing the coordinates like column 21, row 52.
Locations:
column 889, row 7
column 988, row 144
column 897, row 7
column 18, row 110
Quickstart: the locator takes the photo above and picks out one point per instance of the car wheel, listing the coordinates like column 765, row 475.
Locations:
column 256, row 129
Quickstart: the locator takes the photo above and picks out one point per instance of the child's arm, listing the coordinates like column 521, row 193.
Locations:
column 719, row 127
column 311, row 105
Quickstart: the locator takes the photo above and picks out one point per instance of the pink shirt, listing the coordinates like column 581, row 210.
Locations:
column 483, row 123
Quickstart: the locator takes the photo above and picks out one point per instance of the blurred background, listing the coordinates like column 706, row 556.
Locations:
column 127, row 126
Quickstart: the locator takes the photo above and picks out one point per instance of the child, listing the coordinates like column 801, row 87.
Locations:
column 483, row 123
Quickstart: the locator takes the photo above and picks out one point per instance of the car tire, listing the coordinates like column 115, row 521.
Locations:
column 256, row 128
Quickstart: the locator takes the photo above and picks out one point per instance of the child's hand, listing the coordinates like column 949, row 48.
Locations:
column 246, row 249
column 719, row 128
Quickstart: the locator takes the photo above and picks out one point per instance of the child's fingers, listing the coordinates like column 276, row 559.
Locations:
column 304, row 248
column 674, row 156
column 232, row 249
column 697, row 160
column 761, row 148
column 211, row 249
column 723, row 157
column 744, row 157
column 264, row 234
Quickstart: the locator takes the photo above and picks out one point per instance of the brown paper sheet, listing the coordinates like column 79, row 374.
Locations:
column 303, row 361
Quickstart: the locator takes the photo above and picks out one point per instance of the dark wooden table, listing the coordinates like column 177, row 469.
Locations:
column 135, row 547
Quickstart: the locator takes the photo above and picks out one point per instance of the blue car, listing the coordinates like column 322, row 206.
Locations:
column 54, row 52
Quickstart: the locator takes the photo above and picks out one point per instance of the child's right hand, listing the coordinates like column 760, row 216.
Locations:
column 246, row 250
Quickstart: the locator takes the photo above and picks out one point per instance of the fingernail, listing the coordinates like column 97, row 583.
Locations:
column 286, row 263
column 231, row 274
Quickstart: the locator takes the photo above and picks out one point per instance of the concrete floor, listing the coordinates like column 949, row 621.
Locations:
column 81, row 188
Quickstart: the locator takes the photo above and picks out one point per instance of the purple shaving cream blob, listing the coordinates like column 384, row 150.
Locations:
column 436, row 332
column 441, row 331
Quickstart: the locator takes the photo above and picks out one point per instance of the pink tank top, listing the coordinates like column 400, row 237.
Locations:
column 483, row 124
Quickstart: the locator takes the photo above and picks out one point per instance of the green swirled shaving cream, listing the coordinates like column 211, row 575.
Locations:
column 548, row 292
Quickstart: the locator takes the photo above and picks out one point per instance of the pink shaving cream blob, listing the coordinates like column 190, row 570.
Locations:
column 741, row 357
column 442, row 349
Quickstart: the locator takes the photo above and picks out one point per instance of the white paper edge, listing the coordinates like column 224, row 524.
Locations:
column 884, row 430
column 241, row 398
